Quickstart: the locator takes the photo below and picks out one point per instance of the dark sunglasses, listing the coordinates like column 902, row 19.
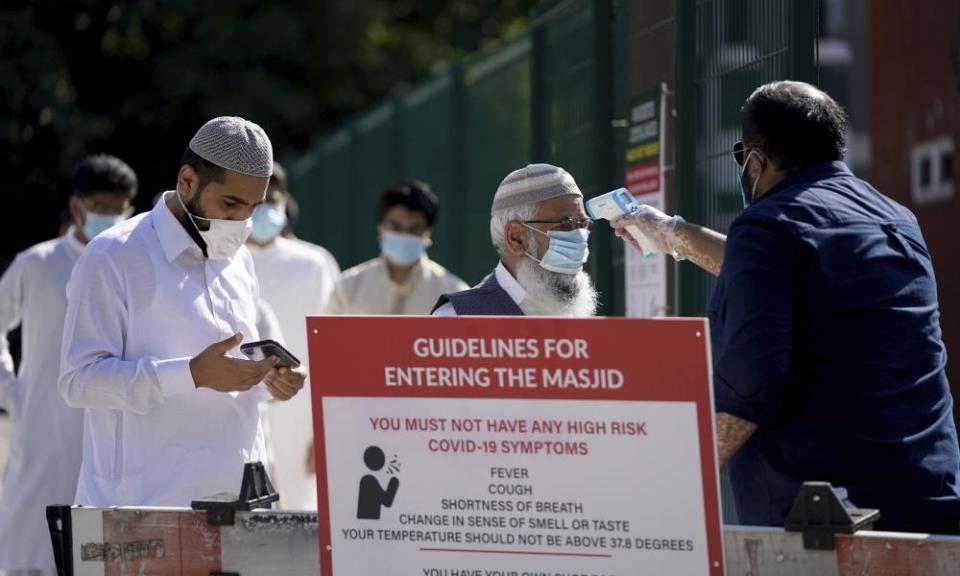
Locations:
column 740, row 152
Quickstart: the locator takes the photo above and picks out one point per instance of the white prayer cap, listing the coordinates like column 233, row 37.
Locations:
column 235, row 144
column 532, row 185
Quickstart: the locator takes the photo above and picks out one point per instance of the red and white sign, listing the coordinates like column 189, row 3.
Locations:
column 645, row 278
column 511, row 446
column 644, row 178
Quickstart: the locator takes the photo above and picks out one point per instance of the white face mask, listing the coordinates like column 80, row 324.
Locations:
column 224, row 237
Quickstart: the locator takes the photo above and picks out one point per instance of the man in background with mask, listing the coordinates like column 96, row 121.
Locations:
column 403, row 280
column 296, row 280
column 540, row 230
column 157, row 307
column 828, row 358
column 46, row 437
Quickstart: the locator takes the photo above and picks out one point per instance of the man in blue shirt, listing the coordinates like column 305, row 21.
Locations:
column 828, row 358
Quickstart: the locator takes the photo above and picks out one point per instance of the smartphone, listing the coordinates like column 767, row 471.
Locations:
column 266, row 348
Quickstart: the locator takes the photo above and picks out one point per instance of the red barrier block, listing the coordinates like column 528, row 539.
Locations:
column 148, row 542
column 897, row 554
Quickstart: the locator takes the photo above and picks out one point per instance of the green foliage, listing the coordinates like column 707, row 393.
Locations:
column 136, row 78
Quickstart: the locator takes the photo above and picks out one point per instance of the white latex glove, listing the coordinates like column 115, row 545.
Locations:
column 658, row 228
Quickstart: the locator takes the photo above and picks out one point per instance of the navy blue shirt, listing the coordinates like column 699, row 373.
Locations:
column 826, row 334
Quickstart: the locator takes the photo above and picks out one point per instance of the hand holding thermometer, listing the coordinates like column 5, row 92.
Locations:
column 613, row 205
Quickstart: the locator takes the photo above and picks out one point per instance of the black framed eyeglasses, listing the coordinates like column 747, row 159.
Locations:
column 565, row 224
column 740, row 151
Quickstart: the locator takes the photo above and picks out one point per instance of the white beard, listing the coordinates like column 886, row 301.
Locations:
column 554, row 294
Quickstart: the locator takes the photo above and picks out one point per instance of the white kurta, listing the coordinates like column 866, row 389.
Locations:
column 328, row 257
column 368, row 289
column 45, row 444
column 296, row 280
column 141, row 303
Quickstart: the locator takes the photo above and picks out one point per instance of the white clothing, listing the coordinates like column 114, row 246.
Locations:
column 296, row 280
column 509, row 284
column 46, row 434
column 142, row 302
column 332, row 263
column 268, row 326
column 368, row 289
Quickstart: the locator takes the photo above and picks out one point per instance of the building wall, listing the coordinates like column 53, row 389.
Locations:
column 915, row 98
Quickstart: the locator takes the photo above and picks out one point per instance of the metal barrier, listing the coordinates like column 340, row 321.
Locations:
column 175, row 542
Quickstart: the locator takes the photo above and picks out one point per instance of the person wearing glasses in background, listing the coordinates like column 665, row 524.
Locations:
column 47, row 435
column 540, row 231
column 828, row 356
column 402, row 280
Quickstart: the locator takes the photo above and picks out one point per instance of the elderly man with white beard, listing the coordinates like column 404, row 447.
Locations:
column 540, row 230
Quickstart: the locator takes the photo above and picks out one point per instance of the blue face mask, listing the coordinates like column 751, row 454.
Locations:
column 747, row 197
column 268, row 221
column 402, row 249
column 567, row 252
column 96, row 223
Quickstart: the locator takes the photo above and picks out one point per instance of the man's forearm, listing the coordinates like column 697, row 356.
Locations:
column 111, row 383
column 702, row 246
column 732, row 433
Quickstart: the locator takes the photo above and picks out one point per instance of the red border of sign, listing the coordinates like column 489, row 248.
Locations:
column 348, row 354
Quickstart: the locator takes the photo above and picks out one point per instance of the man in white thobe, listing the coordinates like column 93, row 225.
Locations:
column 157, row 308
column 46, row 436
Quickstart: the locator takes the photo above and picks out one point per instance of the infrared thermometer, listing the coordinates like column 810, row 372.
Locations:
column 613, row 205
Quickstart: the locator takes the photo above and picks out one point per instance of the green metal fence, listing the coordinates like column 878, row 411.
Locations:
column 542, row 96
column 496, row 106
column 725, row 49
column 572, row 95
column 551, row 95
column 431, row 124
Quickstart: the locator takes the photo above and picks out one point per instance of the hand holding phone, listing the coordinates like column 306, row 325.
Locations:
column 265, row 348
column 213, row 369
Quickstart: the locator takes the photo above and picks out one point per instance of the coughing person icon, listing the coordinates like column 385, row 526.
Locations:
column 372, row 496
